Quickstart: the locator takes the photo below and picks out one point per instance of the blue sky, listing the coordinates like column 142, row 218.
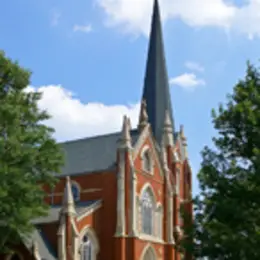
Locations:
column 88, row 57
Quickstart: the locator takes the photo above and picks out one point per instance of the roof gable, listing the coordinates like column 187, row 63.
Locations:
column 147, row 134
column 92, row 154
column 46, row 251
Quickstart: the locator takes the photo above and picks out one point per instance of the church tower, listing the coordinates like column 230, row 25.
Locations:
column 119, row 195
column 156, row 91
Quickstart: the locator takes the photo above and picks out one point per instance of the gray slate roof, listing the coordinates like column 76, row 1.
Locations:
column 54, row 212
column 45, row 249
column 92, row 154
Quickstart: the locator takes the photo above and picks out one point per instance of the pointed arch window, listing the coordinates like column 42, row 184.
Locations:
column 75, row 191
column 87, row 252
column 147, row 160
column 147, row 212
column 89, row 246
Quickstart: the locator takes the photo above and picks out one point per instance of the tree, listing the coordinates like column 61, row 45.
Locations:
column 29, row 156
column 227, row 211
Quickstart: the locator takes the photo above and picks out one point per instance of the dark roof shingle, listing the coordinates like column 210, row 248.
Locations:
column 92, row 154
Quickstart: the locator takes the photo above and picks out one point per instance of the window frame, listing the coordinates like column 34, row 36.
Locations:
column 147, row 160
column 74, row 184
column 147, row 189
column 159, row 221
column 90, row 233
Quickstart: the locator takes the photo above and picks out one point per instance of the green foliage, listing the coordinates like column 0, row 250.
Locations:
column 28, row 154
column 227, row 211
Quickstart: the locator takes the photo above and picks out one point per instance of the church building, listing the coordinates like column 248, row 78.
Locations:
column 119, row 194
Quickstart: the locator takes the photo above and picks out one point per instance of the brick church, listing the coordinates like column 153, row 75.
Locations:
column 119, row 194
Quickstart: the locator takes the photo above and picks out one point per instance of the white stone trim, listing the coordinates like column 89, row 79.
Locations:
column 147, row 150
column 35, row 252
column 120, row 221
column 169, row 220
column 181, row 148
column 61, row 241
column 92, row 208
column 74, row 227
column 148, row 248
column 166, row 169
column 146, row 133
column 148, row 186
column 178, row 180
column 151, row 239
column 90, row 232
column 138, row 215
column 141, row 140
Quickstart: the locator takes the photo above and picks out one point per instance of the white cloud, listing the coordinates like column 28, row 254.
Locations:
column 55, row 17
column 82, row 28
column 73, row 119
column 194, row 66
column 134, row 15
column 187, row 81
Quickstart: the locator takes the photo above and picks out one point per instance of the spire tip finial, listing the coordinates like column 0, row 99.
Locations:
column 125, row 141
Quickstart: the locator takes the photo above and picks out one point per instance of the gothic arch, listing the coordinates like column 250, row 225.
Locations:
column 148, row 187
column 148, row 253
column 90, row 232
column 147, row 209
column 147, row 159
column 145, row 149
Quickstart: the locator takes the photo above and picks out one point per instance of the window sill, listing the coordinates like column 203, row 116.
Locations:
column 150, row 238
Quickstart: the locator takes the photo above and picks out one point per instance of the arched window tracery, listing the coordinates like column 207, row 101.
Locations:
column 89, row 246
column 87, row 252
column 147, row 212
column 147, row 162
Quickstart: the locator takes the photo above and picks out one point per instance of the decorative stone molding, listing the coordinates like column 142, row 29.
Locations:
column 90, row 232
column 133, row 208
column 146, row 151
column 120, row 227
column 149, row 253
column 90, row 210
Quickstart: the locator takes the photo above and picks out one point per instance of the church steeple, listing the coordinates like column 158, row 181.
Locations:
column 156, row 91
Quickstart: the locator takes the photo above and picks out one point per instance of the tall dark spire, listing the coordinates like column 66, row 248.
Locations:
column 156, row 91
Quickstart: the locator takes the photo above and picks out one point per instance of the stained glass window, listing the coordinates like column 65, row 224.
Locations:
column 147, row 213
column 147, row 162
column 75, row 191
column 87, row 249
